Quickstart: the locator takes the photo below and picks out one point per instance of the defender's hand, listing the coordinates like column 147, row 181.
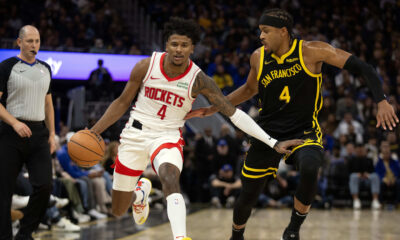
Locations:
column 201, row 112
column 386, row 115
column 283, row 147
column 22, row 129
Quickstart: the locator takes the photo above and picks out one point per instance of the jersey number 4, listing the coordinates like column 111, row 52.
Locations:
column 162, row 112
column 285, row 96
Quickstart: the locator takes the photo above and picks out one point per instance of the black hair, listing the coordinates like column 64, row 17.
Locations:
column 180, row 26
column 283, row 15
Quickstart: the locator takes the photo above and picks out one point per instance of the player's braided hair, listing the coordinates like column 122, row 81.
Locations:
column 283, row 15
column 180, row 26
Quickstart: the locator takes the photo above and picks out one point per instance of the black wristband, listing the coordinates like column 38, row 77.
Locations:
column 355, row 65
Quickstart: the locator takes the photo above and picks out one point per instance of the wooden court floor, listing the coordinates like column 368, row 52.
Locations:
column 213, row 224
column 265, row 224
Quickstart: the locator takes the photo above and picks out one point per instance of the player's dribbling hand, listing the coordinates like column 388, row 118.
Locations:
column 22, row 129
column 386, row 116
column 201, row 112
column 284, row 146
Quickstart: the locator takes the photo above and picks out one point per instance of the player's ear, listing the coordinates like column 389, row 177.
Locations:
column 19, row 42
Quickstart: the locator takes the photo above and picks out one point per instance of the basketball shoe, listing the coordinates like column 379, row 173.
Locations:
column 140, row 211
column 186, row 238
column 289, row 235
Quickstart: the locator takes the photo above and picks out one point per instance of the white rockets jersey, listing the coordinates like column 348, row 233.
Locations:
column 163, row 102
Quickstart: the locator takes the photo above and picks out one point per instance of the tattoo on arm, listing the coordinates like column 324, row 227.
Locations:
column 206, row 86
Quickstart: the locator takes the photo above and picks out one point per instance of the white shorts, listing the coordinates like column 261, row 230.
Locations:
column 138, row 148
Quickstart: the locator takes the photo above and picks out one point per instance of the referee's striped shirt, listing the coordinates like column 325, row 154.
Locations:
column 24, row 88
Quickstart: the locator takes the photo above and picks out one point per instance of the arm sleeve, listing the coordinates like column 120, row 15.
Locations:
column 355, row 65
column 249, row 126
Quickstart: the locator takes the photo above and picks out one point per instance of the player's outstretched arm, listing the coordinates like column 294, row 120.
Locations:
column 206, row 86
column 242, row 94
column 318, row 52
column 120, row 105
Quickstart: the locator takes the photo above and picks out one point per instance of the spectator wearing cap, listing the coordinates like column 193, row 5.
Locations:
column 225, row 187
column 224, row 155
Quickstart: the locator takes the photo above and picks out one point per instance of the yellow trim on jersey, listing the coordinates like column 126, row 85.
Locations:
column 261, row 62
column 306, row 144
column 258, row 169
column 281, row 59
column 258, row 176
column 316, row 110
column 303, row 145
column 302, row 62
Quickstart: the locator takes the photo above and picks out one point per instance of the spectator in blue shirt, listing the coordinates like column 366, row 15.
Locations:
column 388, row 171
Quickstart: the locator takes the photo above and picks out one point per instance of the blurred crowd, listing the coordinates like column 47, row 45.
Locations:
column 361, row 161
column 70, row 25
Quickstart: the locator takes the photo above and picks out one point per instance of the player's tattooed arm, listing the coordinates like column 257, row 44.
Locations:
column 206, row 86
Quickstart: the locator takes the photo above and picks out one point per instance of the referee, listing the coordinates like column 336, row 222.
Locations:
column 26, row 132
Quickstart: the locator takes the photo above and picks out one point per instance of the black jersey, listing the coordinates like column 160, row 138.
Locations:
column 289, row 94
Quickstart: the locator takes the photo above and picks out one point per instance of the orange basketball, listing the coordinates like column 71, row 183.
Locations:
column 86, row 148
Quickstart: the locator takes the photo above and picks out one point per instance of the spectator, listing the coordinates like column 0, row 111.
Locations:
column 109, row 157
column 349, row 125
column 100, row 83
column 91, row 184
column 361, row 170
column 223, row 79
column 388, row 171
column 225, row 186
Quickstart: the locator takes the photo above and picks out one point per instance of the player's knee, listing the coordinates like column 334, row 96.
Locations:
column 309, row 172
column 310, row 163
column 170, row 183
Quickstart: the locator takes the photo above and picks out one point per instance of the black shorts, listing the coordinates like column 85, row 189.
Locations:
column 262, row 161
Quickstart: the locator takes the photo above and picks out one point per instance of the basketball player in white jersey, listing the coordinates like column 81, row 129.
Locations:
column 167, row 84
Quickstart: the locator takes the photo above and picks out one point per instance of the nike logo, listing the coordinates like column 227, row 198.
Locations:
column 151, row 77
column 22, row 71
column 307, row 132
column 266, row 63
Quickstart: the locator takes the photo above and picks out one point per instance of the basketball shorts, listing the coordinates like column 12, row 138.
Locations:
column 262, row 161
column 139, row 147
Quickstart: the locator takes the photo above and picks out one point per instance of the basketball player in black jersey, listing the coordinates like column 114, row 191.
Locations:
column 286, row 73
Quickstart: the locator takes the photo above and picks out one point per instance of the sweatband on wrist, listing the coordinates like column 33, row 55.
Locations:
column 355, row 65
column 249, row 126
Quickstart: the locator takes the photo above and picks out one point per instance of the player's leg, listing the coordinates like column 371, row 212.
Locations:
column 251, row 189
column 308, row 161
column 260, row 165
column 128, row 191
column 129, row 165
column 168, row 165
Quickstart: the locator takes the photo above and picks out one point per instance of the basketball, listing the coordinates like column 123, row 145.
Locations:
column 86, row 148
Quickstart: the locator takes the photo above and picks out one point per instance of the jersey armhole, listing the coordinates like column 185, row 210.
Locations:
column 191, row 84
column 303, row 64
column 152, row 60
column 261, row 63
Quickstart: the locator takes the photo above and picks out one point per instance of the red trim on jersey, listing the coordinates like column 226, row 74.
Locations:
column 122, row 169
column 190, row 84
column 178, row 145
column 175, row 78
column 151, row 68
